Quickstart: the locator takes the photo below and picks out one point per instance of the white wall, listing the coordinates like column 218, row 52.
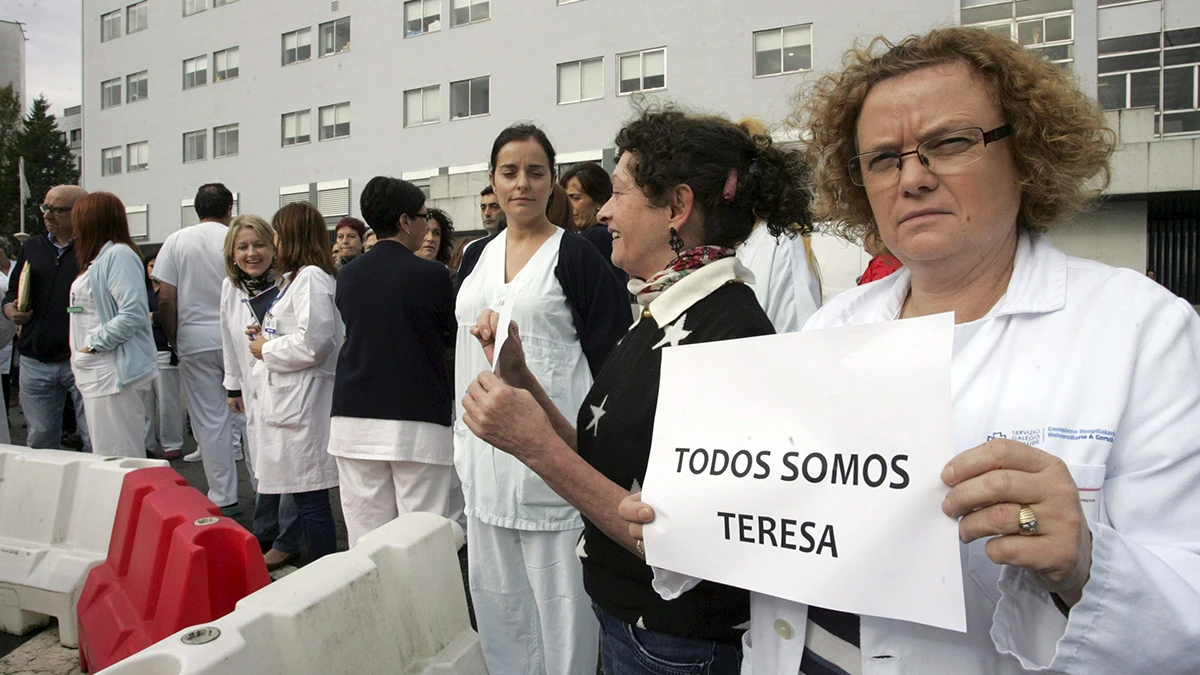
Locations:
column 1114, row 234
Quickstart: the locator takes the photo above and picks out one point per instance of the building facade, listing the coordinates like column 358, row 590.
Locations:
column 283, row 101
column 70, row 125
column 12, row 58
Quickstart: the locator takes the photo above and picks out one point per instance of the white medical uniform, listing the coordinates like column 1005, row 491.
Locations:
column 533, row 613
column 236, row 315
column 784, row 283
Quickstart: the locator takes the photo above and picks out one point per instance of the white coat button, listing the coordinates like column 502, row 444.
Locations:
column 783, row 629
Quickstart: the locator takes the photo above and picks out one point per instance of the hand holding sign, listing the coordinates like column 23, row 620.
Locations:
column 493, row 339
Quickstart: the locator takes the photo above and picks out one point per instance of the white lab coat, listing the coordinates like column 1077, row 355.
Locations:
column 1073, row 350
column 784, row 283
column 291, row 388
column 239, row 362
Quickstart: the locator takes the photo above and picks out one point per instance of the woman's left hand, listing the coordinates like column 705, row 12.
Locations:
column 256, row 346
column 989, row 485
column 506, row 417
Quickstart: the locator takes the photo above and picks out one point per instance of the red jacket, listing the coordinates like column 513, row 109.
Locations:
column 880, row 266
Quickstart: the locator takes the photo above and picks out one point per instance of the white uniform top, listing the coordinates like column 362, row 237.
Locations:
column 95, row 374
column 1101, row 367
column 499, row 489
column 193, row 261
column 7, row 330
column 784, row 283
column 291, row 388
column 235, row 345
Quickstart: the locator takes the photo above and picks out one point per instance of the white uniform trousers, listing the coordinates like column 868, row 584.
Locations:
column 212, row 422
column 116, row 422
column 375, row 492
column 533, row 614
column 164, row 408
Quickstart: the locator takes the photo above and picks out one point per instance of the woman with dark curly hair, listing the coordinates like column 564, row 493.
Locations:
column 438, row 243
column 1075, row 386
column 686, row 191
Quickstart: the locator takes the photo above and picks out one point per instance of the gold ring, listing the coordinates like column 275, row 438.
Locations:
column 1026, row 521
column 638, row 544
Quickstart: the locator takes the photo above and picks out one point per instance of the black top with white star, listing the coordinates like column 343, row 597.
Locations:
column 615, row 425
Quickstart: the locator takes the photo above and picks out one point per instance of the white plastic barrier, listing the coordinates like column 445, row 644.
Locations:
column 56, row 517
column 393, row 604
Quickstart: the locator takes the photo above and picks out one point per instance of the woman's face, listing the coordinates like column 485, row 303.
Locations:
column 251, row 254
column 433, row 240
column 348, row 244
column 522, row 181
column 583, row 207
column 926, row 218
column 369, row 242
column 640, row 231
column 150, row 267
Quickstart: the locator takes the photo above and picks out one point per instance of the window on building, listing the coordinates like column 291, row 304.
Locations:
column 1159, row 70
column 110, row 93
column 422, row 106
column 76, row 138
column 225, row 141
column 225, row 64
column 297, row 46
column 135, row 17
column 110, row 26
column 110, row 161
column 296, row 127
column 139, row 225
column 1043, row 26
column 642, row 71
column 139, row 156
column 783, row 50
column 581, row 81
column 335, row 121
column 194, row 143
column 195, row 72
column 137, row 87
column 468, row 11
column 190, row 7
column 422, row 16
column 290, row 194
column 333, row 198
column 469, row 98
column 335, row 36
column 222, row 3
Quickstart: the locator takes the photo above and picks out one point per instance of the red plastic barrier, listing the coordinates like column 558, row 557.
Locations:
column 173, row 562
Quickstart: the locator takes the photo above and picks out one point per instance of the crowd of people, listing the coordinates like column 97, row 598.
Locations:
column 371, row 365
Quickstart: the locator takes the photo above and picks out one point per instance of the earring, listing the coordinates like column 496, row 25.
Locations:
column 676, row 242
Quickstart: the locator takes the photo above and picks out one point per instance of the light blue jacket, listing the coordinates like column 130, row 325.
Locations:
column 119, row 287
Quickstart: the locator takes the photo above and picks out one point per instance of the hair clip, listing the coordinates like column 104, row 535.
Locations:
column 730, row 186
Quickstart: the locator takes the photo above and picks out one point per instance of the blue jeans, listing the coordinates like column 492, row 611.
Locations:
column 44, row 388
column 626, row 649
column 317, row 514
column 277, row 522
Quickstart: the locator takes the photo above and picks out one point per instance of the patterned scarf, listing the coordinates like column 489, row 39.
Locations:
column 256, row 285
column 684, row 264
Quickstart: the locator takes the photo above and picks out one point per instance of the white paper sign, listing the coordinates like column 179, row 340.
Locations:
column 505, row 310
column 806, row 466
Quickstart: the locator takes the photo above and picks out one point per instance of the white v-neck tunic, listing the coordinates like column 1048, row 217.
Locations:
column 500, row 490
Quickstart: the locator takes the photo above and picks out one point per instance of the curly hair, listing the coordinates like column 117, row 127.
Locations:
column 674, row 148
column 1060, row 139
column 446, row 242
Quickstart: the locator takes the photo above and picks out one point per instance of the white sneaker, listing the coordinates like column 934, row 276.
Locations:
column 192, row 457
column 237, row 455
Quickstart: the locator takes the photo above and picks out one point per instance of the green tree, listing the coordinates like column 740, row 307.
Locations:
column 48, row 158
column 10, row 128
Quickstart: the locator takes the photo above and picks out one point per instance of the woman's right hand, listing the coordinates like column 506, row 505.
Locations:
column 512, row 362
column 635, row 513
column 236, row 405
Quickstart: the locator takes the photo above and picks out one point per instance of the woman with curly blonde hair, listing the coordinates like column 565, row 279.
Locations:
column 1075, row 386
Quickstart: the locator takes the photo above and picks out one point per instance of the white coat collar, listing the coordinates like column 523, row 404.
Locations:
column 1038, row 285
column 695, row 287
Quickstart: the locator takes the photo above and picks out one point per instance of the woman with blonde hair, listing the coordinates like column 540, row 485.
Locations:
column 291, row 390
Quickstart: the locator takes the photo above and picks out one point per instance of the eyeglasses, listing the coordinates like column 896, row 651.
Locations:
column 943, row 155
column 47, row 208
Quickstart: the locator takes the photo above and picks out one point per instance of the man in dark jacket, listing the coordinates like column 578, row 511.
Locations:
column 46, row 377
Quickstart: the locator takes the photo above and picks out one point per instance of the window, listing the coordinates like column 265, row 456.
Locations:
column 139, row 226
column 110, row 161
column 335, row 37
column 296, row 127
column 422, row 16
column 195, row 72
column 641, row 71
column 194, row 143
column 190, row 7
column 137, row 87
column 135, row 17
column 1044, row 26
column 139, row 156
column 1159, row 70
column 422, row 106
column 580, row 81
column 333, row 198
column 225, row 141
column 783, row 50
column 290, row 194
column 76, row 139
column 110, row 26
column 110, row 93
column 335, row 121
column 222, row 3
column 297, row 46
column 468, row 11
column 469, row 98
column 225, row 64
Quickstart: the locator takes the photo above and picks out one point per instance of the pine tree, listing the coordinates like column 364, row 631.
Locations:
column 10, row 128
column 48, row 158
